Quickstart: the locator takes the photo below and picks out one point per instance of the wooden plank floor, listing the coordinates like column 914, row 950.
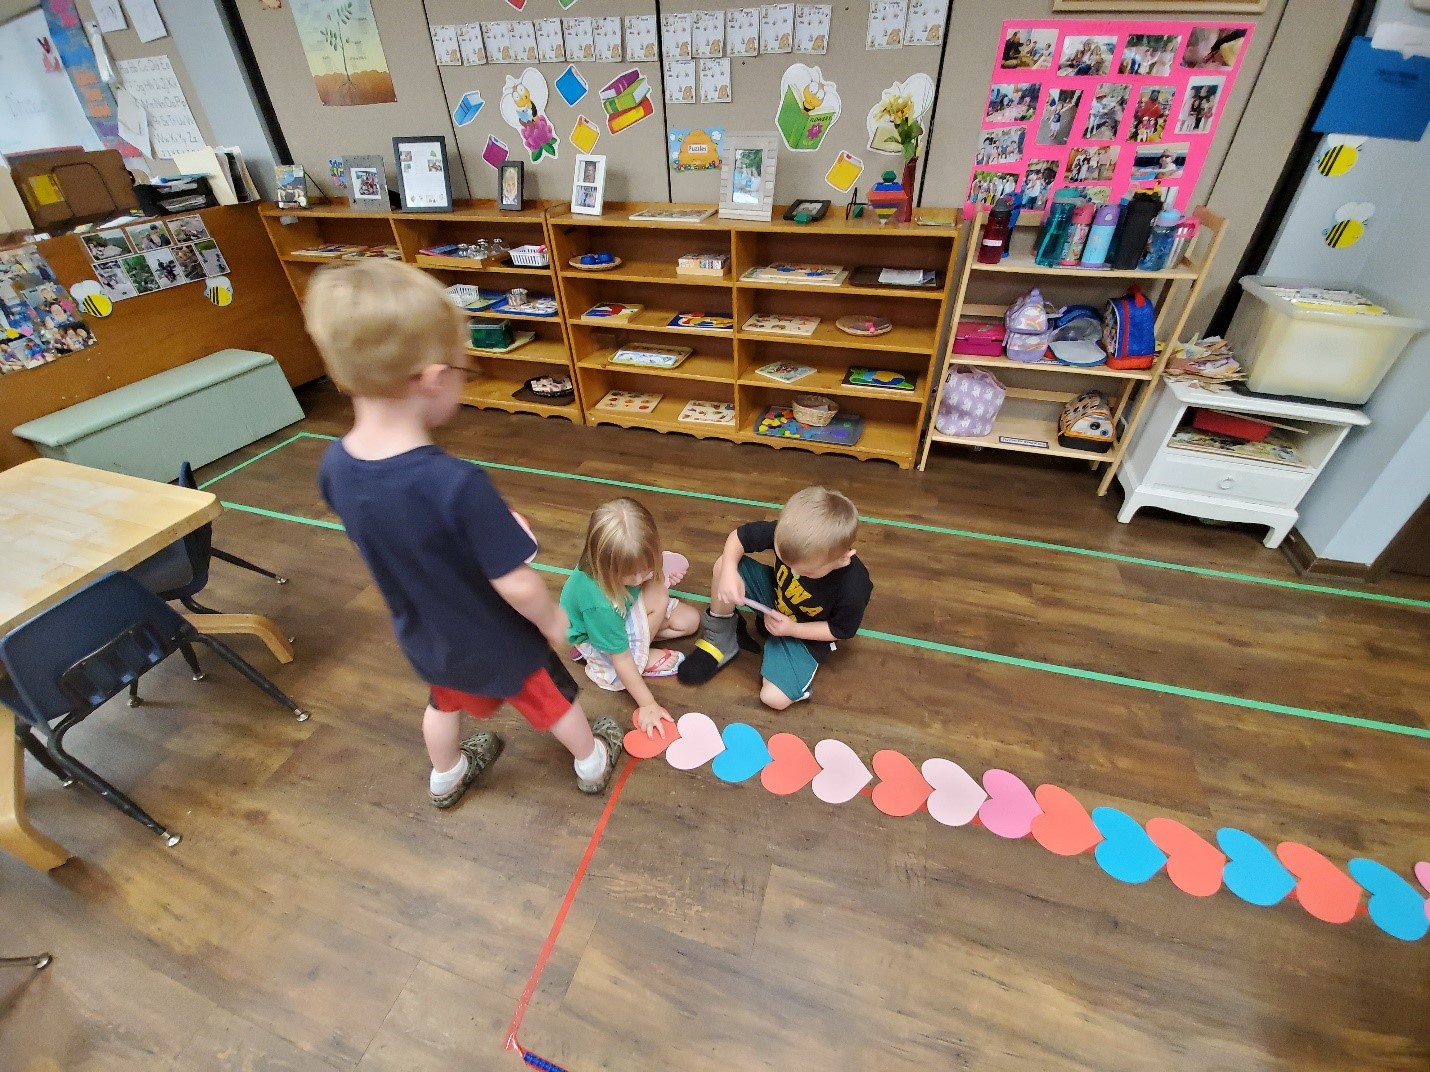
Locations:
column 320, row 914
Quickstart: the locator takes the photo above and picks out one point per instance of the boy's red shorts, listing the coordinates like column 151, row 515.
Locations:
column 545, row 696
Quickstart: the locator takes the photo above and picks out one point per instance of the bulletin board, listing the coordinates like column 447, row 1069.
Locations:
column 1104, row 107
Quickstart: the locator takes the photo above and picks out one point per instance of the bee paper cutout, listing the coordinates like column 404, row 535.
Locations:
column 219, row 290
column 91, row 298
column 1349, row 227
column 523, row 106
column 809, row 106
column 1340, row 155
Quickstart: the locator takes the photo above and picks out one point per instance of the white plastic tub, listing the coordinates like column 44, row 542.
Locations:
column 1290, row 350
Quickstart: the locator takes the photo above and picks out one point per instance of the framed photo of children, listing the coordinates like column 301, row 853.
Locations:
column 747, row 176
column 511, row 183
column 588, row 186
column 1105, row 108
column 367, row 183
column 423, row 175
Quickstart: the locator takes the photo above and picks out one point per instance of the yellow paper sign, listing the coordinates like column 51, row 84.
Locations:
column 584, row 134
column 844, row 172
column 45, row 190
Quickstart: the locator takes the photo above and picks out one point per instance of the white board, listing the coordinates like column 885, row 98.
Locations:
column 38, row 108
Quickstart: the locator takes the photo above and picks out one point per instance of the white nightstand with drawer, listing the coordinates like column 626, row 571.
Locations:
column 1226, row 487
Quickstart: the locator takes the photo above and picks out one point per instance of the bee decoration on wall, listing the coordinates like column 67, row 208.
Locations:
column 1340, row 155
column 1349, row 227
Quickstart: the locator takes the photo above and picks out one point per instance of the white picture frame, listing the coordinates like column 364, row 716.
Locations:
column 747, row 175
column 588, row 186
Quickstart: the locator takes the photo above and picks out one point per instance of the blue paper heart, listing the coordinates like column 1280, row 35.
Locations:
column 1252, row 870
column 1126, row 852
column 745, row 753
column 1395, row 906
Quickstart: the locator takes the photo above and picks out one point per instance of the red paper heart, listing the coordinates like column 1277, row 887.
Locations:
column 1065, row 827
column 1193, row 864
column 1324, row 890
column 792, row 765
column 642, row 747
column 902, row 789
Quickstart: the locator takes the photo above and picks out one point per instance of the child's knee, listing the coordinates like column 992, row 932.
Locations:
column 772, row 697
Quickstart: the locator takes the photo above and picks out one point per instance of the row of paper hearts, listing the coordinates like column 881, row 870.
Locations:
column 1054, row 818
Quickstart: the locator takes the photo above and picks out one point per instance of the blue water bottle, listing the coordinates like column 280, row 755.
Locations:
column 1159, row 244
column 1099, row 238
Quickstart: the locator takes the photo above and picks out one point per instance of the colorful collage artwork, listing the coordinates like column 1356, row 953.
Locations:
column 39, row 320
column 1103, row 108
column 142, row 258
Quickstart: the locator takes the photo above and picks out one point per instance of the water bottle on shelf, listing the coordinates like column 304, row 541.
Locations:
column 993, row 246
column 1159, row 242
column 1056, row 227
column 1082, row 217
column 1099, row 238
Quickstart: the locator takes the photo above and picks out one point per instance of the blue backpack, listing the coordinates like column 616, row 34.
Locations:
column 1129, row 331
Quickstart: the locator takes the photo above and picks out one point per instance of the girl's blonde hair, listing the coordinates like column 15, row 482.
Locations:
column 621, row 541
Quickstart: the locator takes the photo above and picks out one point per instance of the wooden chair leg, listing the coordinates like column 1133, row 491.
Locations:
column 17, row 836
column 265, row 629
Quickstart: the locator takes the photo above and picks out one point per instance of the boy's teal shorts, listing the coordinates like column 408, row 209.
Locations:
column 787, row 662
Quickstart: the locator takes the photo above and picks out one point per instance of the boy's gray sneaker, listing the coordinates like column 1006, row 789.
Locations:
column 481, row 750
column 607, row 730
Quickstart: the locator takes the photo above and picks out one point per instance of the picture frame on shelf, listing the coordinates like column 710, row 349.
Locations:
column 588, row 186
column 747, row 176
column 366, row 177
column 424, row 177
column 511, row 185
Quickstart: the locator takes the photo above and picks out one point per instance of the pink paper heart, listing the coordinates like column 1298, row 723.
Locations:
column 1010, row 808
column 956, row 797
column 698, row 744
column 1422, row 872
column 842, row 773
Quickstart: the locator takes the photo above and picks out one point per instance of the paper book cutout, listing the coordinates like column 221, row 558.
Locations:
column 571, row 85
column 956, row 797
column 698, row 744
column 584, row 135
column 842, row 773
column 1064, row 827
column 902, row 790
column 1324, row 890
column 1125, row 852
column 745, row 753
column 1010, row 808
column 1394, row 905
column 1194, row 864
column 1252, row 871
column 792, row 765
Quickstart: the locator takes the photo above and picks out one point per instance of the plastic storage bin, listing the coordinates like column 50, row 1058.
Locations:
column 1290, row 350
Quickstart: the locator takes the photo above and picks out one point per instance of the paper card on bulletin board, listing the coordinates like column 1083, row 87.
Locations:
column 155, row 86
column 1378, row 93
column 1103, row 107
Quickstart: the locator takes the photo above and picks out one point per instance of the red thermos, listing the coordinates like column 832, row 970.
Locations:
column 996, row 232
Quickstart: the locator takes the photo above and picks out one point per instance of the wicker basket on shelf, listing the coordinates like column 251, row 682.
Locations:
column 814, row 410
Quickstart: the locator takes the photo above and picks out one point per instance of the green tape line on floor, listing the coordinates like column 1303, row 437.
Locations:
column 966, row 534
column 256, row 457
column 994, row 657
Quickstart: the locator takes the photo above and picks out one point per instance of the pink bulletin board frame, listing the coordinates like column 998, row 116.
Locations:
column 1057, row 127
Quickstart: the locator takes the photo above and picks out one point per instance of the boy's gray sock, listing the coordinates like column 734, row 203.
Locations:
column 718, row 644
column 722, row 632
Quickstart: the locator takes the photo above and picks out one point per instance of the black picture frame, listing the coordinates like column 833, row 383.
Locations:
column 415, row 196
column 503, row 169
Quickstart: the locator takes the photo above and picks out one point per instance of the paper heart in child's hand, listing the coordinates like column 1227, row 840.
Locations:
column 699, row 742
column 643, row 747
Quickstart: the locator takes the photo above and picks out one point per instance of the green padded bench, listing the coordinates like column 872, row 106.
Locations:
column 196, row 413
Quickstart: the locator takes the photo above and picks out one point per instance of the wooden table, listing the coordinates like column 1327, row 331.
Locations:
column 62, row 526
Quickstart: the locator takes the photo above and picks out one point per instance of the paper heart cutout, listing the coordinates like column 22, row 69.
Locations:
column 901, row 789
column 1010, row 808
column 1252, row 871
column 956, row 797
column 792, row 765
column 1394, row 905
column 1064, row 827
column 1126, row 852
column 745, row 753
column 842, row 773
column 1194, row 864
column 1422, row 872
column 643, row 747
column 1324, row 890
column 698, row 744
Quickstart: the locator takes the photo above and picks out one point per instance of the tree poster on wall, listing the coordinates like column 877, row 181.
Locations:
column 344, row 51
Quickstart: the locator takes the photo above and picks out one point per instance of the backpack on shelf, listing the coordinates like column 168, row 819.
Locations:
column 970, row 399
column 1129, row 331
column 1086, row 423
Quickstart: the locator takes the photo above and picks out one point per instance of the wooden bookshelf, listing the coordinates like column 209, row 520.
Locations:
column 723, row 363
column 548, row 354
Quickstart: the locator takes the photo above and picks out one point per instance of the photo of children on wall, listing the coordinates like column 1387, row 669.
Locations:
column 115, row 283
column 1000, row 146
column 1012, row 103
column 1150, row 54
column 39, row 321
column 211, row 258
column 141, row 276
column 106, row 245
column 1200, row 105
column 1057, row 123
column 1038, row 183
column 1213, row 46
column 147, row 236
column 1159, row 163
column 165, row 268
column 1087, row 164
column 1028, row 50
column 988, row 186
column 187, row 258
column 1087, row 55
column 188, row 229
column 1104, row 116
column 1149, row 118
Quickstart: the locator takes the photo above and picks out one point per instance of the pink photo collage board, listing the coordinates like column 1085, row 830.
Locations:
column 1103, row 107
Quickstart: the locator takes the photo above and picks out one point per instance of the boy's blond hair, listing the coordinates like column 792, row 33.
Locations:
column 817, row 526
column 379, row 322
column 621, row 542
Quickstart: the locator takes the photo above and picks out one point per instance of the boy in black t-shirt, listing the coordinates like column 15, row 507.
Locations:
column 474, row 620
column 816, row 593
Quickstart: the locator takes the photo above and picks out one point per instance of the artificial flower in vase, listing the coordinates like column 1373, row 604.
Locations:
column 897, row 109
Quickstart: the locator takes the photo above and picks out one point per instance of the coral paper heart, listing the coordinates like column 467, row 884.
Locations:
column 745, row 754
column 956, row 797
column 792, row 765
column 699, row 742
column 643, row 747
column 901, row 789
column 1194, row 864
column 1010, row 808
column 1394, row 905
column 842, row 773
column 1324, row 890
column 1126, row 852
column 1064, row 827
column 1252, row 871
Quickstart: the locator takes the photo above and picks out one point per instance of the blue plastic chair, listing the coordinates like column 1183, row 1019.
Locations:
column 67, row 661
